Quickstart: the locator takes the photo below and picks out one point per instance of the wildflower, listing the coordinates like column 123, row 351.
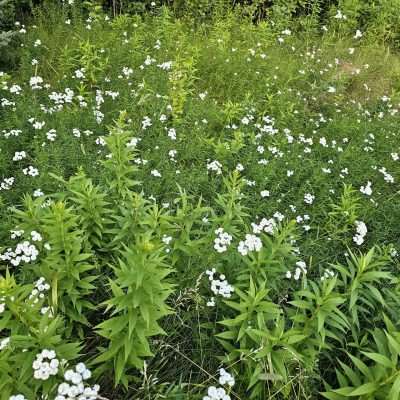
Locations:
column 31, row 171
column 366, row 189
column 74, row 385
column 172, row 134
column 36, row 236
column 219, row 286
column 38, row 193
column 155, row 173
column 309, row 198
column 251, row 243
column 265, row 225
column 4, row 343
column 214, row 393
column 19, row 155
column 45, row 365
column 215, row 166
column 24, row 251
column 301, row 268
column 146, row 122
column 386, row 176
column 358, row 34
column 226, row 378
column 362, row 230
column 340, row 15
column 35, row 82
column 222, row 241
column 327, row 274
column 17, row 397
column 239, row 167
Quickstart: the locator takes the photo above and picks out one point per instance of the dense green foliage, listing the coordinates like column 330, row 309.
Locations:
column 200, row 186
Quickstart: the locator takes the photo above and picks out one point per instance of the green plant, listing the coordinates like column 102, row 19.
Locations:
column 372, row 374
column 139, row 292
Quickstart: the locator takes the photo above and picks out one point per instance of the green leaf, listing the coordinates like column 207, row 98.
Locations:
column 296, row 338
column 379, row 358
column 367, row 388
column 362, row 367
column 394, row 393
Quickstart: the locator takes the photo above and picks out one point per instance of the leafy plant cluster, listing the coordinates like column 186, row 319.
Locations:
column 239, row 217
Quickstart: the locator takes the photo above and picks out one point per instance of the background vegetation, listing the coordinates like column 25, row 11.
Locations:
column 194, row 185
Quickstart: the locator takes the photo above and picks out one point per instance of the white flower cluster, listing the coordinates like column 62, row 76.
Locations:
column 328, row 273
column 131, row 144
column 12, row 132
column 172, row 133
column 7, row 183
column 251, row 243
column 222, row 241
column 74, row 386
column 362, row 230
column 301, row 268
column 17, row 397
column 309, row 198
column 19, row 155
column 167, row 240
column 45, row 365
column 225, row 378
column 51, row 135
column 24, row 251
column 220, row 287
column 36, row 236
column 265, row 225
column 32, row 171
column 38, row 292
column 35, row 82
column 367, row 189
column 215, row 166
column 214, row 393
column 386, row 176
column 146, row 122
column 4, row 343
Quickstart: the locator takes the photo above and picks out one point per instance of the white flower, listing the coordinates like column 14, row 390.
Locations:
column 222, row 241
column 251, row 243
column 146, row 123
column 367, row 189
column 265, row 225
column 155, row 173
column 4, row 343
column 215, row 166
column 172, row 134
column 31, row 171
column 309, row 198
column 362, row 230
column 339, row 15
column 45, row 365
column 226, row 378
column 239, row 167
column 36, row 236
column 358, row 34
column 219, row 286
column 35, row 82
column 17, row 397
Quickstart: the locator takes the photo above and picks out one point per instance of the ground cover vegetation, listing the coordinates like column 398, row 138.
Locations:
column 199, row 200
